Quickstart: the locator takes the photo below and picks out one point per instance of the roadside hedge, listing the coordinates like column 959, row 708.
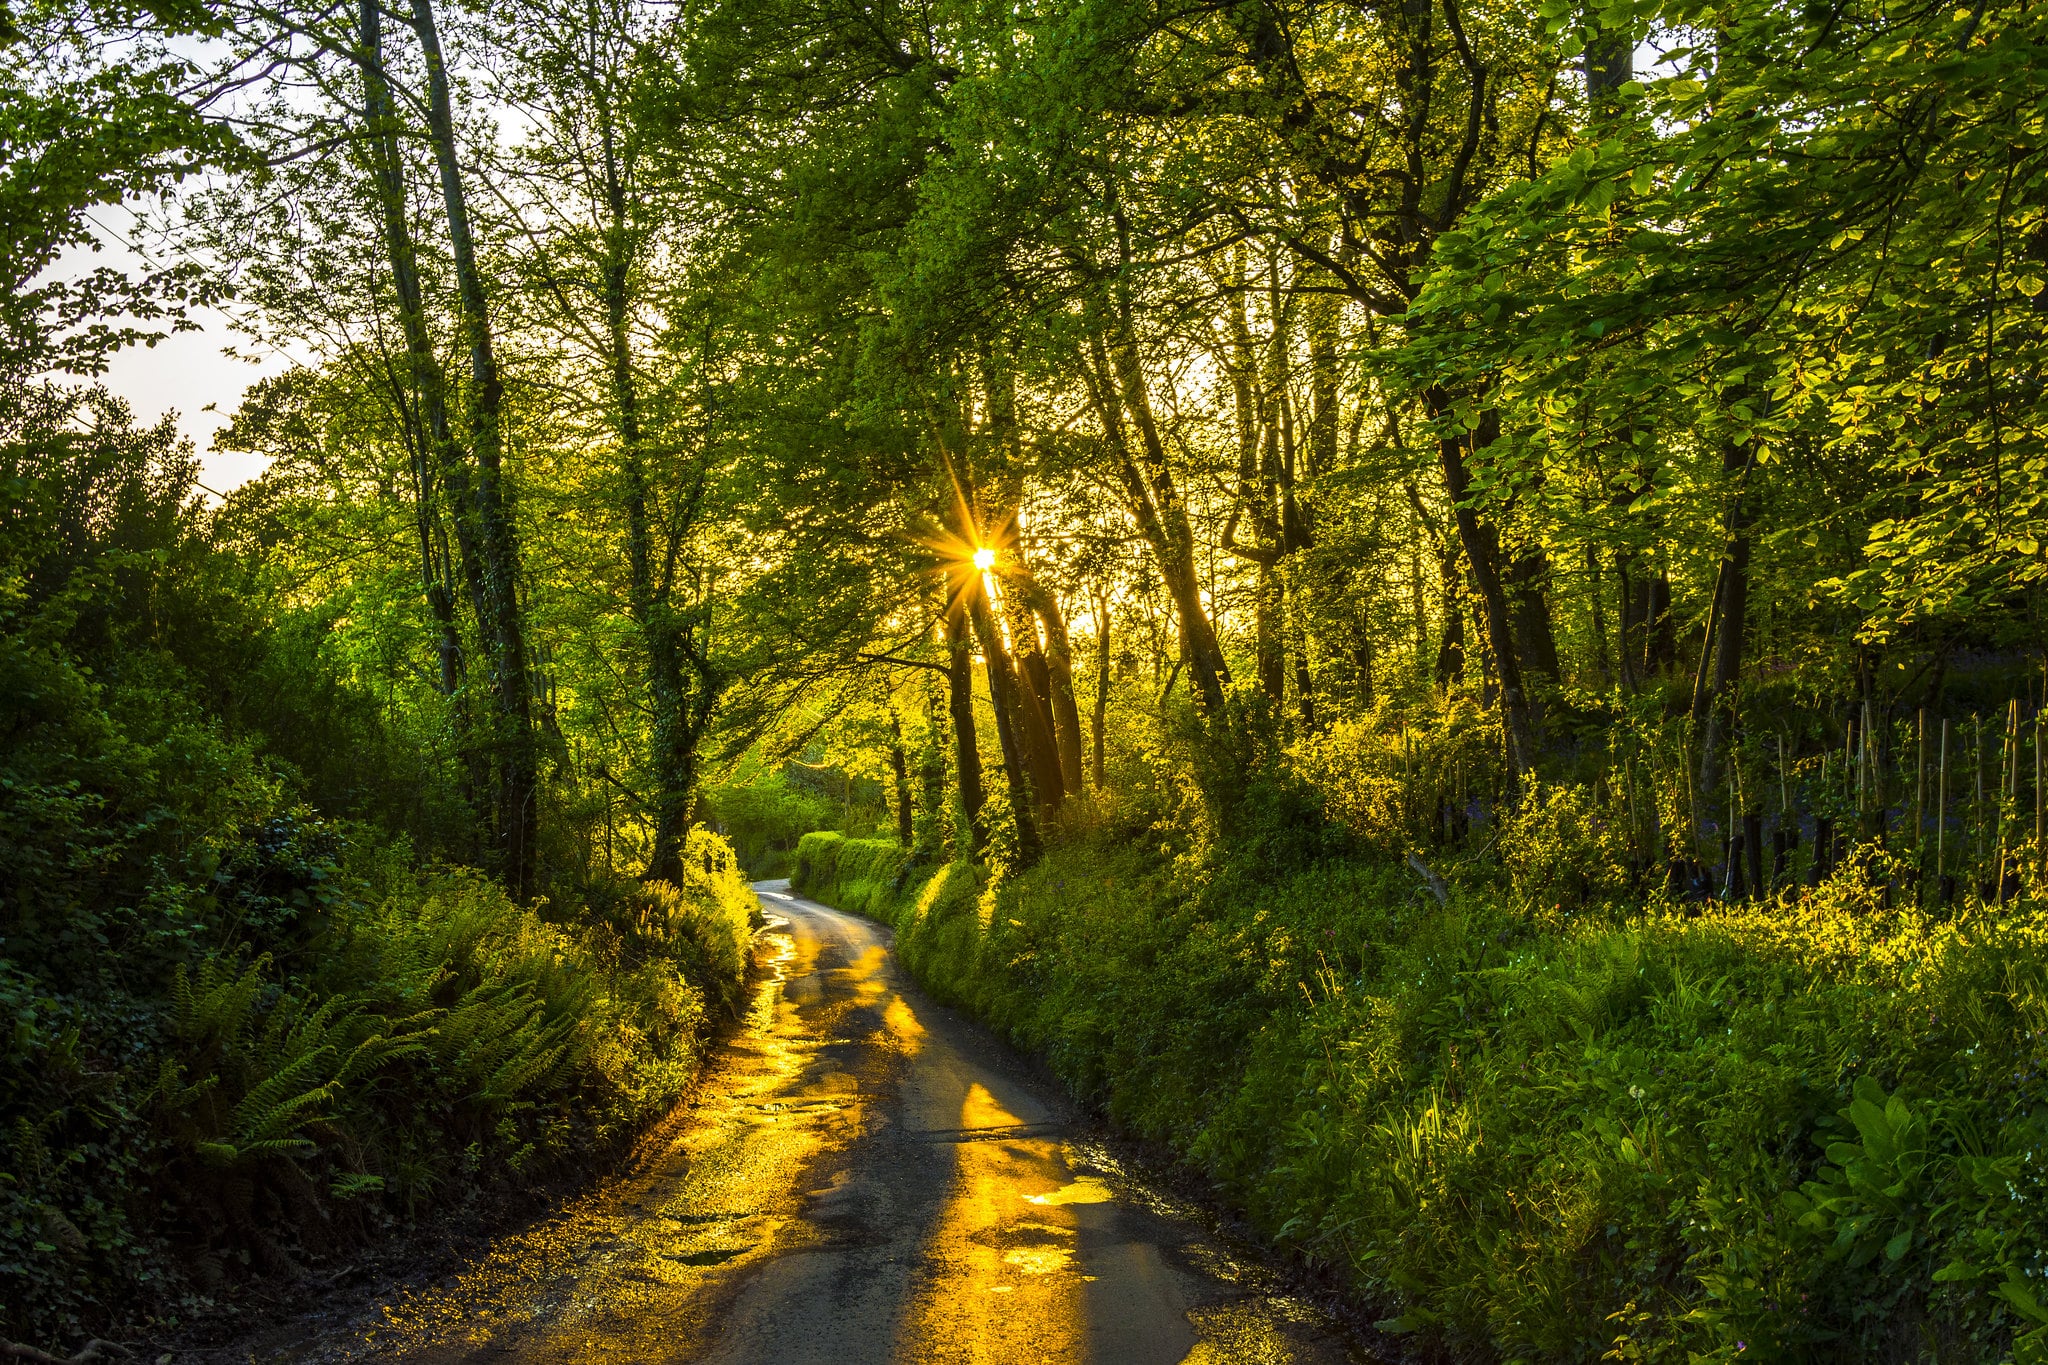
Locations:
column 862, row 875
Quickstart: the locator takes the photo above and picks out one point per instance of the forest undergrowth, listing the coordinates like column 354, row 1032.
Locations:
column 254, row 1019
column 1556, row 1114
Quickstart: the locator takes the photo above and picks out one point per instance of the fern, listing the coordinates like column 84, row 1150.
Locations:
column 284, row 1069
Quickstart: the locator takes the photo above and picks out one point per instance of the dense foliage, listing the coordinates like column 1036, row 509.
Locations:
column 1755, row 1133
column 252, row 1018
column 1584, row 461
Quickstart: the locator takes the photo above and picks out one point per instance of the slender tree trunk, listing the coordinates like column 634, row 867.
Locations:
column 1168, row 516
column 1019, row 681
column 1601, row 660
column 1059, row 662
column 663, row 636
column 1633, row 644
column 1304, row 679
column 1160, row 516
column 426, row 453
column 1269, row 616
column 1662, row 638
column 1481, row 544
column 1023, row 763
column 1036, row 675
column 1099, row 722
column 1450, row 650
column 931, row 765
column 1721, row 662
column 1609, row 63
column 899, row 765
column 1323, row 318
column 966, row 746
column 1528, row 587
column 1023, row 711
column 495, row 538
column 1703, row 674
column 439, row 459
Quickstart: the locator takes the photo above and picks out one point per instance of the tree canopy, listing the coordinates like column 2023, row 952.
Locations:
column 1295, row 430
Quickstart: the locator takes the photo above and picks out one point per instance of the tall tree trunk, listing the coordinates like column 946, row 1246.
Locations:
column 1262, row 496
column 1450, row 650
column 1481, row 543
column 1323, row 317
column 1661, row 642
column 439, row 462
column 960, row 707
column 931, row 762
column 495, row 537
column 1634, row 625
column 1304, row 679
column 676, row 693
column 1020, row 682
column 1602, row 661
column 1269, row 623
column 1713, row 711
column 1609, row 64
column 1528, row 588
column 1059, row 662
column 1023, row 763
column 899, row 765
column 1036, row 676
column 1023, row 712
column 1155, row 504
column 1099, row 722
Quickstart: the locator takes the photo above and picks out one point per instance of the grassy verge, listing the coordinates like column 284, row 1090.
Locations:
column 1810, row 1131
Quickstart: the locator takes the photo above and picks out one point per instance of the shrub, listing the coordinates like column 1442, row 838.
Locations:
column 1560, row 852
column 242, row 1032
column 1400, row 780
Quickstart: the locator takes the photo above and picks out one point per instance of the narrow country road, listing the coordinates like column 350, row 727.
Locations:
column 864, row 1178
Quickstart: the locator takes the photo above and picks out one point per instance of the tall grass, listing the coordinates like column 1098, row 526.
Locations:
column 1539, row 1122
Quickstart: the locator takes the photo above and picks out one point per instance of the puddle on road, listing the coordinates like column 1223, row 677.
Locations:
column 1085, row 1190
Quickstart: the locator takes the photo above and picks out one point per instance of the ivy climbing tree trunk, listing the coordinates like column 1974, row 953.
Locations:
column 422, row 392
column 502, row 621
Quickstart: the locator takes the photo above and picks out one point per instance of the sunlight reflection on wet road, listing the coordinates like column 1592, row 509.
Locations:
column 864, row 1178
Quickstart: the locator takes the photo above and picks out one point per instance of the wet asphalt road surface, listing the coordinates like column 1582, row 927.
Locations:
column 864, row 1178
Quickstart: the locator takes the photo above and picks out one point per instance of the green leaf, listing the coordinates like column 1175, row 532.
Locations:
column 2015, row 1292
